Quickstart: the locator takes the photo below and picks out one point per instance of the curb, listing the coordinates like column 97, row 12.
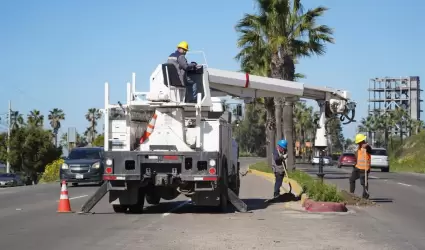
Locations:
column 285, row 185
column 322, row 206
column 308, row 204
column 269, row 177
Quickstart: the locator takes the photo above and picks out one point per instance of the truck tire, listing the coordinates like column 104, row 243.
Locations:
column 224, row 184
column 119, row 208
column 138, row 207
column 238, row 182
column 153, row 199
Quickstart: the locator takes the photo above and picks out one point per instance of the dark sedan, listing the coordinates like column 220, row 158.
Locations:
column 83, row 165
column 10, row 180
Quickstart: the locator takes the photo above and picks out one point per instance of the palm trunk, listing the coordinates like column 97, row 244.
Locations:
column 386, row 138
column 278, row 115
column 288, row 73
column 288, row 131
column 270, row 135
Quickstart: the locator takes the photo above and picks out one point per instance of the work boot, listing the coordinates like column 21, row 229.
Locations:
column 352, row 187
column 365, row 195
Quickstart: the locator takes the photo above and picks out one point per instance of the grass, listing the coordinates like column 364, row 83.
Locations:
column 409, row 157
column 315, row 189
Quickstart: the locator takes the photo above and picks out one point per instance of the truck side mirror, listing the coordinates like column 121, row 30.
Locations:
column 239, row 110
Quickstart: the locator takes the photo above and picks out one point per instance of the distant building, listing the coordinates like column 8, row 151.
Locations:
column 388, row 93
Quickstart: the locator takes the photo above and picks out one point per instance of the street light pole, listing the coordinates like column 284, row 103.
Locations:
column 9, row 126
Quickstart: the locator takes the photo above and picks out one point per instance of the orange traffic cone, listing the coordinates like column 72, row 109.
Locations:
column 64, row 204
column 149, row 129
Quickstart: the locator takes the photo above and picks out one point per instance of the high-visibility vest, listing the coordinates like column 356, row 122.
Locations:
column 363, row 159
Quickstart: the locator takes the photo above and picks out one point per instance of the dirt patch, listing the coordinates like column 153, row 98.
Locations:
column 353, row 200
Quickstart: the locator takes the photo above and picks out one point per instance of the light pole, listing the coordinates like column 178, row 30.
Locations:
column 9, row 127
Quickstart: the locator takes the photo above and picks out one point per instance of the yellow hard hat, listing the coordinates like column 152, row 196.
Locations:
column 183, row 45
column 359, row 138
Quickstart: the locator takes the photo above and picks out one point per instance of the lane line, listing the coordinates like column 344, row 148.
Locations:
column 77, row 197
column 175, row 208
column 404, row 184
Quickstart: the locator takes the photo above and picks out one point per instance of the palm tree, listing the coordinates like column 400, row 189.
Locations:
column 55, row 117
column 303, row 123
column 17, row 120
column 401, row 118
column 417, row 126
column 92, row 116
column 35, row 118
column 273, row 40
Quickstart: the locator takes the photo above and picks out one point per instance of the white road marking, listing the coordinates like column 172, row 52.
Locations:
column 404, row 184
column 77, row 197
column 175, row 208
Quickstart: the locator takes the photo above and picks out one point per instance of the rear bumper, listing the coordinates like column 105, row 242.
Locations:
column 346, row 164
column 380, row 165
column 6, row 184
column 140, row 165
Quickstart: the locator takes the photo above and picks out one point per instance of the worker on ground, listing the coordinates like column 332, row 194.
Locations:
column 279, row 165
column 179, row 60
column 362, row 167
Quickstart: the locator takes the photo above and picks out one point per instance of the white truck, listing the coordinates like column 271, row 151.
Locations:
column 158, row 147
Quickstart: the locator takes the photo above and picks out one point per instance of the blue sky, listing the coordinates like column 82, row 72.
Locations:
column 60, row 53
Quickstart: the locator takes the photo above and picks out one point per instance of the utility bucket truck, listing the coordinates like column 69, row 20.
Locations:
column 159, row 147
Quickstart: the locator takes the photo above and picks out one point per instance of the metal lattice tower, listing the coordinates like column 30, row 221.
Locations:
column 385, row 94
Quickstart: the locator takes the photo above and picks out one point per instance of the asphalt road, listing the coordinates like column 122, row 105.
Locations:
column 28, row 220
column 400, row 198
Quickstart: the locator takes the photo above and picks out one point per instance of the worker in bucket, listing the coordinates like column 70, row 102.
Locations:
column 178, row 58
column 279, row 165
column 362, row 168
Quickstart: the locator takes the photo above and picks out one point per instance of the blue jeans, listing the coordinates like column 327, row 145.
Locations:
column 191, row 90
column 278, row 183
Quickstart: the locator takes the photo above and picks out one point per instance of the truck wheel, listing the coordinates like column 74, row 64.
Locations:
column 237, row 181
column 153, row 199
column 138, row 207
column 223, row 191
column 119, row 208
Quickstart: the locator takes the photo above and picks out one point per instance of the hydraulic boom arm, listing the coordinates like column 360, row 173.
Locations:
column 332, row 102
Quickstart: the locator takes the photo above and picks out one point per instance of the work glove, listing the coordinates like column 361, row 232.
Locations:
column 193, row 65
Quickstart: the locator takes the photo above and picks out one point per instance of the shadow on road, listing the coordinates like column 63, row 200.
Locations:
column 381, row 200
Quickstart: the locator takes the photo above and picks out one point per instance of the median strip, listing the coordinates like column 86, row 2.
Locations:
column 318, row 196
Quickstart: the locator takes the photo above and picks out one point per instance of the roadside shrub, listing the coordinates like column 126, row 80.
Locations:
column 51, row 172
column 315, row 189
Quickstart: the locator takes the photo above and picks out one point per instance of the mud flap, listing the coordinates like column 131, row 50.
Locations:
column 94, row 199
column 236, row 202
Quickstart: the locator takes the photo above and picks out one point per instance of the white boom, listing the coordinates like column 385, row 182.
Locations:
column 166, row 91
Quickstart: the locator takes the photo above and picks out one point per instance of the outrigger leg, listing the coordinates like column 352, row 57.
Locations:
column 94, row 199
column 238, row 203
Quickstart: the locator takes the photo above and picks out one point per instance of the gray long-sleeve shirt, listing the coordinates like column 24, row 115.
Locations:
column 179, row 60
column 278, row 162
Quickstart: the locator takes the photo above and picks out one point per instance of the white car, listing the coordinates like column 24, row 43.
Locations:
column 326, row 160
column 379, row 159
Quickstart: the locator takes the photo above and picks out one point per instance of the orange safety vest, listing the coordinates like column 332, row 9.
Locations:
column 363, row 159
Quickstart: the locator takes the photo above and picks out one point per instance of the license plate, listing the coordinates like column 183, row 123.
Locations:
column 79, row 176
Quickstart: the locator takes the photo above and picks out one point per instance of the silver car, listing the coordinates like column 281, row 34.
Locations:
column 326, row 160
column 379, row 159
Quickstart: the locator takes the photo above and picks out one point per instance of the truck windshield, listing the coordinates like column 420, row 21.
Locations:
column 84, row 154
